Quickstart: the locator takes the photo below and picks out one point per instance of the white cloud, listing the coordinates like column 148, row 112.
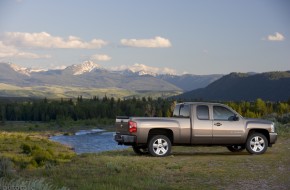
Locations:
column 45, row 40
column 157, row 42
column 277, row 37
column 100, row 57
column 10, row 51
column 137, row 67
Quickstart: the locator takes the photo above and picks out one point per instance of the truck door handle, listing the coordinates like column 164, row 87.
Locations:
column 218, row 124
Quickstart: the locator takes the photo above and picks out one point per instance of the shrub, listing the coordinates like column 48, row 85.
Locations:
column 26, row 148
column 35, row 184
column 6, row 169
column 41, row 156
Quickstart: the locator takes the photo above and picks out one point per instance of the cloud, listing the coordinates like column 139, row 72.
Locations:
column 137, row 67
column 45, row 40
column 277, row 37
column 10, row 51
column 100, row 57
column 157, row 42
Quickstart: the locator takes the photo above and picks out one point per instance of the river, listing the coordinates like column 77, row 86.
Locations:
column 89, row 141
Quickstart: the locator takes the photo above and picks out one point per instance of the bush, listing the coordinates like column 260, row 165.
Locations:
column 26, row 148
column 35, row 184
column 6, row 169
column 41, row 156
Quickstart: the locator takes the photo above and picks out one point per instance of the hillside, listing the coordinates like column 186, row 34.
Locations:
column 272, row 86
column 190, row 82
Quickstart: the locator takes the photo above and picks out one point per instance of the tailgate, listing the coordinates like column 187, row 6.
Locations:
column 122, row 124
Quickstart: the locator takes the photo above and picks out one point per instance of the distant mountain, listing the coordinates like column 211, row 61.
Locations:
column 88, row 74
column 189, row 82
column 272, row 86
column 80, row 69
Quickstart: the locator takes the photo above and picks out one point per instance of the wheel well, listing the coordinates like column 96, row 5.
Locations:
column 166, row 132
column 262, row 131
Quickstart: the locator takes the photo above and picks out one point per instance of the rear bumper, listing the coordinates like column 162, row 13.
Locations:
column 273, row 138
column 125, row 139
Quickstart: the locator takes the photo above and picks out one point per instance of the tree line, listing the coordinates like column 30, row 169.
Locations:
column 109, row 108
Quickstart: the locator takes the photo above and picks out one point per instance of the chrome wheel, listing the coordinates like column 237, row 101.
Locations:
column 257, row 143
column 159, row 146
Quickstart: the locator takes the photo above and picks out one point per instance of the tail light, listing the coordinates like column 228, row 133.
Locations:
column 132, row 127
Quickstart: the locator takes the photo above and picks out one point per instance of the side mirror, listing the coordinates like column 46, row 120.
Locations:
column 234, row 118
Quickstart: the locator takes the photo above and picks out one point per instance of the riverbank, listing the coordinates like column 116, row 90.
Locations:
column 27, row 144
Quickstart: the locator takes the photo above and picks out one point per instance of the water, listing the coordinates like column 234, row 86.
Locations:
column 88, row 141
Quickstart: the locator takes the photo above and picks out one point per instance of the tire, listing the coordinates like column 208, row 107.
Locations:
column 256, row 143
column 159, row 146
column 236, row 148
column 141, row 150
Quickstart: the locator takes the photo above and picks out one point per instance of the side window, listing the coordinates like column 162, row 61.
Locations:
column 181, row 111
column 184, row 111
column 176, row 111
column 202, row 112
column 222, row 113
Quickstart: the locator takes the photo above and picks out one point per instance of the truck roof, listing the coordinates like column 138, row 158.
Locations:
column 198, row 103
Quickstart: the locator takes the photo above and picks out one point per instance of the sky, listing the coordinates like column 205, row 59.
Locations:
column 189, row 36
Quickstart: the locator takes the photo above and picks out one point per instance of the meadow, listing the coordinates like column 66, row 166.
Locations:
column 47, row 165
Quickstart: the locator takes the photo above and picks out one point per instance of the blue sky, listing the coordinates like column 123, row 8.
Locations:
column 189, row 36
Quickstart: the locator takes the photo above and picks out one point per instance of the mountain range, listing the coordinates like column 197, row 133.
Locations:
column 90, row 79
column 270, row 86
column 92, row 75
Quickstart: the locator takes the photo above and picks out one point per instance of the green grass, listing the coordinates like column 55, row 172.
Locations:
column 186, row 168
column 54, row 92
column 32, row 150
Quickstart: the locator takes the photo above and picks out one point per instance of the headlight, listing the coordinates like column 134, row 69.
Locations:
column 272, row 128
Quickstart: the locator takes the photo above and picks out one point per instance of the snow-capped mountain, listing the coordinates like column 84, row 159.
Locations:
column 21, row 70
column 85, row 67
column 141, row 69
column 24, row 70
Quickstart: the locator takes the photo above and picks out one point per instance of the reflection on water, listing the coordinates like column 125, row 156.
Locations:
column 86, row 141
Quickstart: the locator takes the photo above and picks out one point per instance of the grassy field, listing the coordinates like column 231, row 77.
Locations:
column 54, row 92
column 186, row 168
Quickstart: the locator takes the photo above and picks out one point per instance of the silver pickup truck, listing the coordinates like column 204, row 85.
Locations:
column 195, row 124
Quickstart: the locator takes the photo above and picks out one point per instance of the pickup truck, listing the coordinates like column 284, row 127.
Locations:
column 195, row 123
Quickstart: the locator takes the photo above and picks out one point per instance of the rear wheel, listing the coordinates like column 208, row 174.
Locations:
column 257, row 143
column 141, row 150
column 159, row 146
column 236, row 148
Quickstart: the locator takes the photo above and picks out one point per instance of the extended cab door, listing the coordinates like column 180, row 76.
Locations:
column 228, row 126
column 202, row 125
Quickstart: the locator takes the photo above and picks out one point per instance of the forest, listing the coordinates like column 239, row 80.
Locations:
column 108, row 108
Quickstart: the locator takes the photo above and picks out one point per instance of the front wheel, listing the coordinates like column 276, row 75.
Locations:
column 141, row 150
column 256, row 143
column 236, row 148
column 159, row 146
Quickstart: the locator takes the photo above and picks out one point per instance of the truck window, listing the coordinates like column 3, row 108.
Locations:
column 184, row 111
column 181, row 111
column 176, row 111
column 202, row 112
column 222, row 113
